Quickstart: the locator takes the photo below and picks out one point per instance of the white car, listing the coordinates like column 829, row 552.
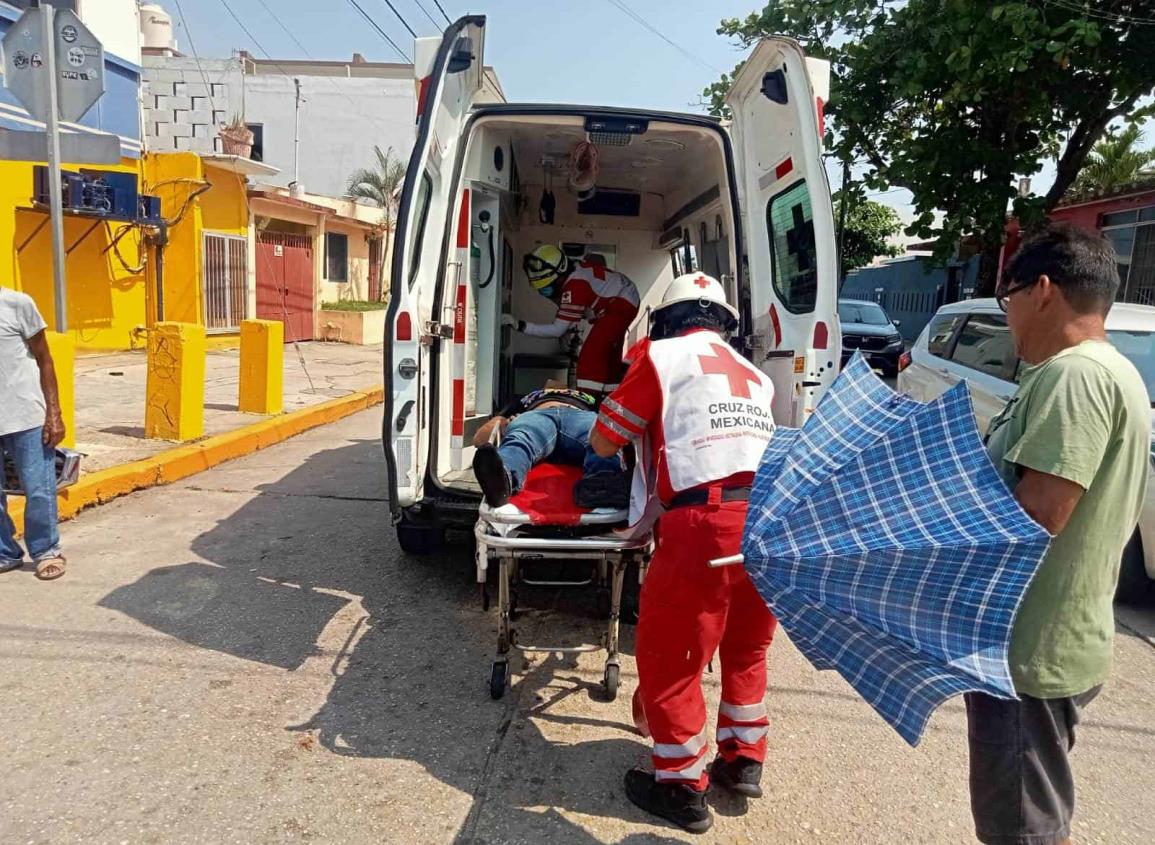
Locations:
column 970, row 341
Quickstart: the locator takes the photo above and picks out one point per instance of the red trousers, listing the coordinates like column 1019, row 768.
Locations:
column 688, row 611
column 599, row 366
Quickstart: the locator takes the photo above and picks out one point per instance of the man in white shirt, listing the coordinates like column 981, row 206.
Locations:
column 30, row 428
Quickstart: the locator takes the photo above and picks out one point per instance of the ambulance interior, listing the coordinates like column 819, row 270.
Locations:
column 661, row 206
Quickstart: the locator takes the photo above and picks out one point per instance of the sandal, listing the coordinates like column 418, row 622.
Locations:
column 50, row 568
column 10, row 565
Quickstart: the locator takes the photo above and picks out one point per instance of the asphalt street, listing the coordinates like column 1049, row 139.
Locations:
column 247, row 657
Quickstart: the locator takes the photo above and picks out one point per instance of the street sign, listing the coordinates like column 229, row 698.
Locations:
column 75, row 147
column 24, row 73
column 81, row 72
column 79, row 61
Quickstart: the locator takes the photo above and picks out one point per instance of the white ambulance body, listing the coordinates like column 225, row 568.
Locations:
column 746, row 202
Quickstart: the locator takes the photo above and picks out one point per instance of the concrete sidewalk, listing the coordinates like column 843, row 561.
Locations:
column 110, row 394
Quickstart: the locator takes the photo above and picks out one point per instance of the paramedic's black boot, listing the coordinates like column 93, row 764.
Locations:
column 674, row 802
column 740, row 775
column 491, row 475
column 603, row 490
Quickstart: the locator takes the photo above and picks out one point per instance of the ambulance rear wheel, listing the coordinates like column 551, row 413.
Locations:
column 419, row 537
column 497, row 679
column 610, row 681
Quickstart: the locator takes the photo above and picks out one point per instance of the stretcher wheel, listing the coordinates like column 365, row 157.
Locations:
column 610, row 681
column 497, row 678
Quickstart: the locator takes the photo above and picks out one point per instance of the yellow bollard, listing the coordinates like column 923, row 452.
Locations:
column 63, row 350
column 262, row 389
column 175, row 393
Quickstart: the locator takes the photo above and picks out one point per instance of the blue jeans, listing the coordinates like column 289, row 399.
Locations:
column 36, row 467
column 557, row 435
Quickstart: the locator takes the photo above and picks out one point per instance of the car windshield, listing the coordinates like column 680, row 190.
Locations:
column 862, row 312
column 1139, row 348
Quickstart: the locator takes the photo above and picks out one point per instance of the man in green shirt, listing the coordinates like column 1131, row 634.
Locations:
column 1073, row 444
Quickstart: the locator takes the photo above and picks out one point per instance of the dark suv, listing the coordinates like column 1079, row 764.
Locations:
column 866, row 327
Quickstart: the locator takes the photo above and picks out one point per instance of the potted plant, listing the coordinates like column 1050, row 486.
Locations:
column 236, row 137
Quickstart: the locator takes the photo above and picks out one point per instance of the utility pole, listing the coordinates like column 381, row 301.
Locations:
column 842, row 204
column 297, row 134
column 55, row 198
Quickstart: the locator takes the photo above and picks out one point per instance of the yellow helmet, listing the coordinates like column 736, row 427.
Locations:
column 544, row 265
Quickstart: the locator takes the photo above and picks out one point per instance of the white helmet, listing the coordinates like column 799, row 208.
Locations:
column 696, row 286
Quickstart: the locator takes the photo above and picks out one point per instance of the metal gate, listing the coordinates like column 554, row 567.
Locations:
column 225, row 278
column 285, row 282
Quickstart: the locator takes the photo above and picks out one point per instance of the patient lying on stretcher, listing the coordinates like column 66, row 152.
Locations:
column 549, row 425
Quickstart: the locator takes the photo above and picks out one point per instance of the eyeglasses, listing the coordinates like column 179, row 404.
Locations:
column 1001, row 298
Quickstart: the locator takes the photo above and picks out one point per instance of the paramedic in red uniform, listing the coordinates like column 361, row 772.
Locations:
column 587, row 289
column 699, row 416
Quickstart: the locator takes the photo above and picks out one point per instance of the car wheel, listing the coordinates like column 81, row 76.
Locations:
column 1134, row 585
column 419, row 537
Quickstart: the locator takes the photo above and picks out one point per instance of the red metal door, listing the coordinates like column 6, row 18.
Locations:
column 285, row 282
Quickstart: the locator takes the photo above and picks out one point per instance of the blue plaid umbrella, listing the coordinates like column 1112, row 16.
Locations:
column 882, row 537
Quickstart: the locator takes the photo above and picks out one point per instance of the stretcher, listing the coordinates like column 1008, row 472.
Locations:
column 542, row 522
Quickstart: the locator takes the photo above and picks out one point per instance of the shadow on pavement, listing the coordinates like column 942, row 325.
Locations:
column 414, row 684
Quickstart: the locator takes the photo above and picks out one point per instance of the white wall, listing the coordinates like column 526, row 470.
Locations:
column 116, row 23
column 341, row 120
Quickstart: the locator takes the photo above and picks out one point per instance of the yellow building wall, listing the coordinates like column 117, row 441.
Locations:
column 108, row 296
column 222, row 207
column 357, row 288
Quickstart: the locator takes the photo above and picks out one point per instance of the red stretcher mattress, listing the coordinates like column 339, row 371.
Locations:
column 547, row 496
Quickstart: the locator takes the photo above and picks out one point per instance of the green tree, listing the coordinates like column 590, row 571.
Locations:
column 954, row 99
column 1115, row 161
column 379, row 185
column 869, row 227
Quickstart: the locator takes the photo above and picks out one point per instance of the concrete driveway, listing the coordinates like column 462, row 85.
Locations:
column 246, row 657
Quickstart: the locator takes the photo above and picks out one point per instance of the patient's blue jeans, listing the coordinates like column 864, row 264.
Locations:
column 557, row 435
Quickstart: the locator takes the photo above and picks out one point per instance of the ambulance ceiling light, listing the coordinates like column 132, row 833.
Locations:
column 666, row 143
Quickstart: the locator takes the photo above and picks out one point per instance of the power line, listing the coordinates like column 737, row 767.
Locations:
column 305, row 50
column 432, row 20
column 404, row 22
column 196, row 56
column 241, row 24
column 380, row 31
column 1100, row 14
column 438, row 5
column 626, row 10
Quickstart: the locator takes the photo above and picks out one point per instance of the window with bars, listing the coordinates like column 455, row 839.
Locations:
column 225, row 281
column 336, row 257
column 1132, row 234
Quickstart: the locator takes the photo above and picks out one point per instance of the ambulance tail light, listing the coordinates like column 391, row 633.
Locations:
column 903, row 361
column 821, row 335
column 404, row 329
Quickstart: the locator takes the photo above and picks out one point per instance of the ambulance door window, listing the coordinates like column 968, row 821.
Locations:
column 424, row 193
column 790, row 221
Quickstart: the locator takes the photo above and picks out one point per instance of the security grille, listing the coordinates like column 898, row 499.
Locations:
column 225, row 280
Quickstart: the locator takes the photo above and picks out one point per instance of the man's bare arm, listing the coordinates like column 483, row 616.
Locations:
column 1048, row 499
column 483, row 433
column 53, row 422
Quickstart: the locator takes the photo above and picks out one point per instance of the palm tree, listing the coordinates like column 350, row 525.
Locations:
column 1115, row 161
column 380, row 186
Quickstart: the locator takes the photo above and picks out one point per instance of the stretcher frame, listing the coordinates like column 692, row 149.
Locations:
column 499, row 537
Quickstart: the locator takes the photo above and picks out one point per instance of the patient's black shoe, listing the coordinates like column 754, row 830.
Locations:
column 491, row 475
column 603, row 490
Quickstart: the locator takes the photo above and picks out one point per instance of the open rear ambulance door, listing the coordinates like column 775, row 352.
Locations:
column 450, row 77
column 791, row 284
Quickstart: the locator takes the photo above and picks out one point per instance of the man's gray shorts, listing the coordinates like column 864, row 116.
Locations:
column 1022, row 789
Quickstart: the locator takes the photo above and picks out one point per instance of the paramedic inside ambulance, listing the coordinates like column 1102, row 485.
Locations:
column 699, row 415
column 588, row 289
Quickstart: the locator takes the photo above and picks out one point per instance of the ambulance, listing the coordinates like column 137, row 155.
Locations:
column 745, row 200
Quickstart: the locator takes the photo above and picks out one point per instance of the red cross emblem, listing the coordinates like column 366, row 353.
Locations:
column 702, row 282
column 723, row 363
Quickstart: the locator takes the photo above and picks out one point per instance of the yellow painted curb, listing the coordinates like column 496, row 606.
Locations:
column 174, row 464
